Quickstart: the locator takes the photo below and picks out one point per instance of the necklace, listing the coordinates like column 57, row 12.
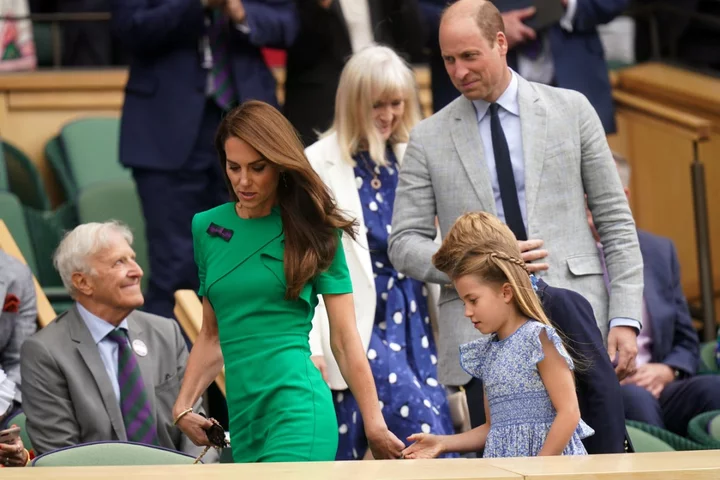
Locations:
column 375, row 182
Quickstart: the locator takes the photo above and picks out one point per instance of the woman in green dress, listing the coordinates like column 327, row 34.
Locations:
column 263, row 259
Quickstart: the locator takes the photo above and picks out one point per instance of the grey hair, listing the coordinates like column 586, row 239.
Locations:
column 623, row 168
column 82, row 243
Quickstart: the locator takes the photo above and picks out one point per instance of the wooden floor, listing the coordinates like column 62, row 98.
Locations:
column 701, row 465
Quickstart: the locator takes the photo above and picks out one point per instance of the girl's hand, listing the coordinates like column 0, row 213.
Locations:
column 425, row 445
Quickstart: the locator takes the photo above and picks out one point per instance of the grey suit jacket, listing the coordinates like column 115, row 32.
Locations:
column 15, row 327
column 67, row 394
column 445, row 174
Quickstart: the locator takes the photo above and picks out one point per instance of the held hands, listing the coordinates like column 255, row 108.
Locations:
column 531, row 251
column 515, row 30
column 653, row 377
column 425, row 445
column 194, row 426
column 384, row 444
column 622, row 343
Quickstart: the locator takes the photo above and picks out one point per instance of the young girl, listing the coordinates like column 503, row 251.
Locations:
column 530, row 401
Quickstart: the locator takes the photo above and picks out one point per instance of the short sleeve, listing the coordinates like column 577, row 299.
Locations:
column 198, row 253
column 537, row 354
column 336, row 279
column 472, row 355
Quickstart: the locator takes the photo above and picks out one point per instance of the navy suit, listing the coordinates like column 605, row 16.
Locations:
column 598, row 390
column 169, row 122
column 674, row 343
column 578, row 56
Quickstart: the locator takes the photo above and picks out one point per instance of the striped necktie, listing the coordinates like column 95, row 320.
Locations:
column 134, row 403
column 222, row 89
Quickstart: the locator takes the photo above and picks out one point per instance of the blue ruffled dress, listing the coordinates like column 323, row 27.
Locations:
column 520, row 408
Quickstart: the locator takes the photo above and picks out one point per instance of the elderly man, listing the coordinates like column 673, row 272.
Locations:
column 102, row 370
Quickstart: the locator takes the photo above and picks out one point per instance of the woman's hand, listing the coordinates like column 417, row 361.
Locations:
column 194, row 426
column 13, row 454
column 320, row 364
column 384, row 444
column 425, row 445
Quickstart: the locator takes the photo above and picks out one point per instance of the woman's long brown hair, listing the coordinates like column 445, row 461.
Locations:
column 310, row 218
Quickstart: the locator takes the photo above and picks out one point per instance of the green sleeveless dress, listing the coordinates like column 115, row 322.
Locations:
column 280, row 408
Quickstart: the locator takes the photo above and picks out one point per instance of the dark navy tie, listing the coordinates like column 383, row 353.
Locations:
column 506, row 177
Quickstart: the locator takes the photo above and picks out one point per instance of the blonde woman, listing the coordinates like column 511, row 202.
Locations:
column 358, row 159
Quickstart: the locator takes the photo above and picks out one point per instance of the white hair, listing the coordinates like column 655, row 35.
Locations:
column 623, row 168
column 372, row 74
column 83, row 242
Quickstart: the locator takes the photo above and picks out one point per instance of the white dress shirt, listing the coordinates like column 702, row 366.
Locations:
column 99, row 330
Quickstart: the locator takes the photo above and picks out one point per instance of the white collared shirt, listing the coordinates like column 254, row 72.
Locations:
column 509, row 114
column 99, row 330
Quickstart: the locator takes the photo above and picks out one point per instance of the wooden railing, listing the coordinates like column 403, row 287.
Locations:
column 700, row 465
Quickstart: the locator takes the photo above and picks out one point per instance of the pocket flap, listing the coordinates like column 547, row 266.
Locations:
column 585, row 264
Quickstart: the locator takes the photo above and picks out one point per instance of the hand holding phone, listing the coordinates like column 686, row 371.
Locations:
column 9, row 435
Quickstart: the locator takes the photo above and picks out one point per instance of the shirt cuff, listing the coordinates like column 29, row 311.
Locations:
column 625, row 322
column 566, row 22
column 243, row 27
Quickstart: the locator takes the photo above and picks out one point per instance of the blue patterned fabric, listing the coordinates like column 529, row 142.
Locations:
column 521, row 412
column 402, row 352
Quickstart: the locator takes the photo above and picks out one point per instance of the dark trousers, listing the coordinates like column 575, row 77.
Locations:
column 170, row 199
column 679, row 402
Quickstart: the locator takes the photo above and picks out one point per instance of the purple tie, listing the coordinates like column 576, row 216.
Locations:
column 134, row 403
column 223, row 90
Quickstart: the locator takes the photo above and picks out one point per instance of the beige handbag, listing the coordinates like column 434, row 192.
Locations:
column 459, row 412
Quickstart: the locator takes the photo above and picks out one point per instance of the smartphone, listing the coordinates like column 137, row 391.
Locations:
column 9, row 435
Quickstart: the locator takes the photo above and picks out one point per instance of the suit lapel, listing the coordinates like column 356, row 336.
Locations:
column 533, row 124
column 348, row 199
column 466, row 137
column 146, row 362
column 90, row 354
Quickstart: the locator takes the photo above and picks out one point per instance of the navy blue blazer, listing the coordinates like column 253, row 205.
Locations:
column 582, row 46
column 675, row 342
column 598, row 389
column 166, row 91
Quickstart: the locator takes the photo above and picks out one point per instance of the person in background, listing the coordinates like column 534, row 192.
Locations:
column 550, row 56
column 18, row 321
column 330, row 32
column 358, row 159
column 665, row 390
column 192, row 61
column 103, row 370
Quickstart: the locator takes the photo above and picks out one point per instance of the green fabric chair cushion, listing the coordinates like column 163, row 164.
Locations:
column 707, row 357
column 111, row 454
column 675, row 441
column 90, row 147
column 643, row 442
column 22, row 178
column 11, row 212
column 56, row 158
column 700, row 429
column 117, row 200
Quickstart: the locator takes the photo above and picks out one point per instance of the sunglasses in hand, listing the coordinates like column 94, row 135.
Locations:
column 216, row 435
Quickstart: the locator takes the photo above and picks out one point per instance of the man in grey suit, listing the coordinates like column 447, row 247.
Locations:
column 528, row 153
column 102, row 370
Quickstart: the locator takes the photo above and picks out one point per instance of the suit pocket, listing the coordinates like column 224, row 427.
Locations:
column 169, row 382
column 585, row 264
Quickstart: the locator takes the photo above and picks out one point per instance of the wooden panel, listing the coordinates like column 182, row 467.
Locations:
column 700, row 465
column 188, row 311
column 46, row 313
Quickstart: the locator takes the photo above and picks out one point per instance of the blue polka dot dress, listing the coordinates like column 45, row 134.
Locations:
column 402, row 352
